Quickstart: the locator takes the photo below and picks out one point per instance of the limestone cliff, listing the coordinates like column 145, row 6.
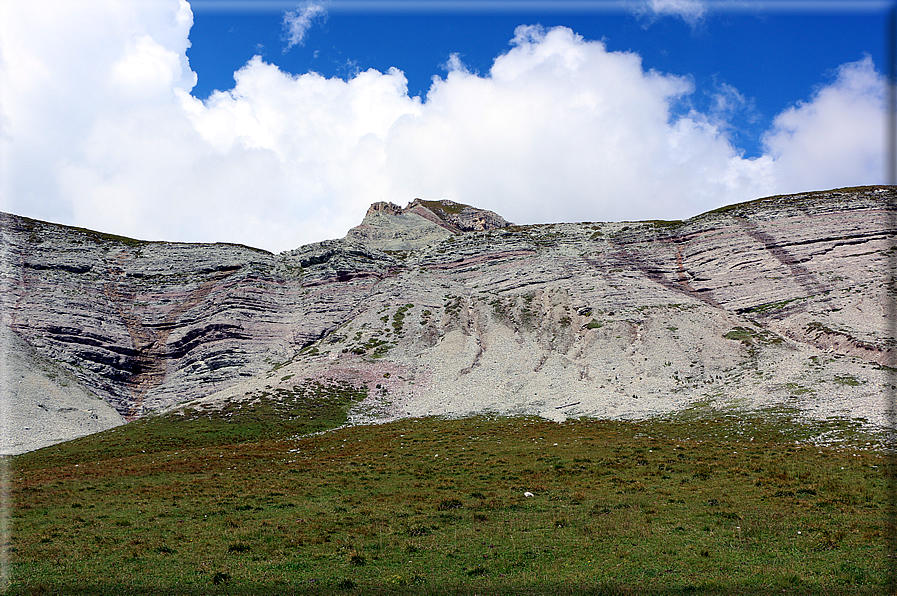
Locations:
column 441, row 308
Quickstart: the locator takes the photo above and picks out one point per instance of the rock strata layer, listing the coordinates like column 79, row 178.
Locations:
column 441, row 308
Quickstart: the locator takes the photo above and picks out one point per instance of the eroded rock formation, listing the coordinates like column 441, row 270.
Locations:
column 441, row 308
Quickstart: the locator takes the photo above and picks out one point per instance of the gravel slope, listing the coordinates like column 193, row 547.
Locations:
column 42, row 404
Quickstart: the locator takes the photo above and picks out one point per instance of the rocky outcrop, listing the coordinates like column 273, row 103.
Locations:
column 387, row 226
column 457, row 216
column 440, row 308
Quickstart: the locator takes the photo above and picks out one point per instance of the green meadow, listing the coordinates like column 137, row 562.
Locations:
column 263, row 499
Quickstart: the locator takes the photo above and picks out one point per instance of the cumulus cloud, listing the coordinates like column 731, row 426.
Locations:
column 64, row 63
column 297, row 23
column 454, row 63
column 559, row 129
column 835, row 138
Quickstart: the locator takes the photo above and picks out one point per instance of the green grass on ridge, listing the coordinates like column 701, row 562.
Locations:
column 699, row 503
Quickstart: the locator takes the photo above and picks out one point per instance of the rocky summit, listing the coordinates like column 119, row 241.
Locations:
column 440, row 308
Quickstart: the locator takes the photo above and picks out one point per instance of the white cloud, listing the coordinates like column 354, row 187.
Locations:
column 690, row 11
column 60, row 68
column 728, row 101
column 297, row 23
column 454, row 64
column 147, row 68
column 562, row 129
column 835, row 139
column 558, row 129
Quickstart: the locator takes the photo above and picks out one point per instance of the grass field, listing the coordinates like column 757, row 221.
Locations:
column 232, row 502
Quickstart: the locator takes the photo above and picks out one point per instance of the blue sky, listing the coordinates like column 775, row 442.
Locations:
column 205, row 120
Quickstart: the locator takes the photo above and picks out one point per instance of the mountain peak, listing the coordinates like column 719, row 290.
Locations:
column 383, row 207
column 389, row 227
column 463, row 217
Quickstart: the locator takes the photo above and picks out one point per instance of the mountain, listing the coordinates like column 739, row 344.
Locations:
column 441, row 308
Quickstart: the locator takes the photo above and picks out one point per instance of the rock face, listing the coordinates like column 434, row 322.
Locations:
column 441, row 308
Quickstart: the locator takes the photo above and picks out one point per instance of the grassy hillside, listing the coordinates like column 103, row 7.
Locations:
column 233, row 503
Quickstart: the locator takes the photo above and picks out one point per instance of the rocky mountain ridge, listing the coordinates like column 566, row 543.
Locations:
column 442, row 308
